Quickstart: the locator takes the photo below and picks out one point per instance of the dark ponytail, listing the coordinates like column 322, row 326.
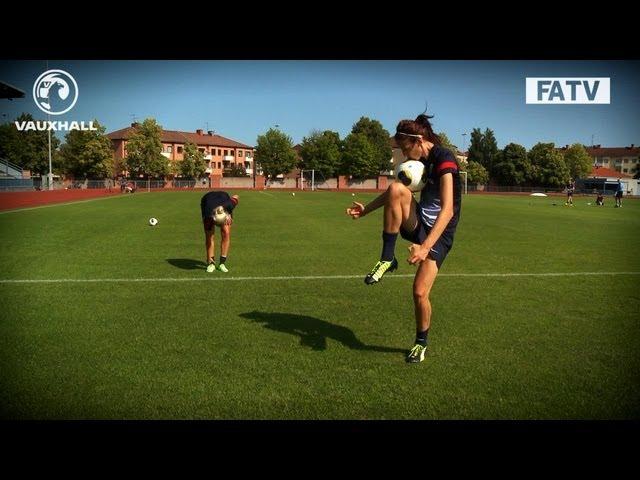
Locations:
column 420, row 126
column 423, row 121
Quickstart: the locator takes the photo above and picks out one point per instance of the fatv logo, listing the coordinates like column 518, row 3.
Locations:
column 58, row 87
column 570, row 90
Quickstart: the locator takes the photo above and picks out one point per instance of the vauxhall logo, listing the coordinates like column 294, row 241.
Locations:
column 55, row 92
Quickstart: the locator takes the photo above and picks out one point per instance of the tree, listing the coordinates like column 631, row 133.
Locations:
column 477, row 173
column 192, row 164
column 359, row 157
column 275, row 153
column 484, row 149
column 512, row 166
column 88, row 153
column 29, row 148
column 322, row 151
column 476, row 151
column 548, row 166
column 489, row 150
column 446, row 143
column 144, row 149
column 237, row 170
column 578, row 161
column 379, row 139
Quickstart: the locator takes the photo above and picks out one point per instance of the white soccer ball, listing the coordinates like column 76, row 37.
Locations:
column 220, row 216
column 153, row 221
column 409, row 173
column 293, row 194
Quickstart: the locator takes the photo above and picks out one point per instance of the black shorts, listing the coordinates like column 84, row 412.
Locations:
column 441, row 248
column 570, row 193
column 618, row 194
column 208, row 223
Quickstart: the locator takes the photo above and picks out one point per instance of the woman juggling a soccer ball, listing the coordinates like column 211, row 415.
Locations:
column 429, row 225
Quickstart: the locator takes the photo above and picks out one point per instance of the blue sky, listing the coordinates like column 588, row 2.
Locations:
column 243, row 99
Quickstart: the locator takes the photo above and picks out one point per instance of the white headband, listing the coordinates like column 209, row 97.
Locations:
column 409, row 134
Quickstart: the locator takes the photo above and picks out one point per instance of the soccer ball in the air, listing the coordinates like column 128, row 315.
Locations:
column 153, row 221
column 410, row 173
column 220, row 216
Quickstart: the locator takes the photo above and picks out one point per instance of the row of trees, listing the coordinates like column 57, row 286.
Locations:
column 364, row 153
column 543, row 165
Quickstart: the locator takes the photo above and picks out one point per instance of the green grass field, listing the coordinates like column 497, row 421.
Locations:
column 143, row 332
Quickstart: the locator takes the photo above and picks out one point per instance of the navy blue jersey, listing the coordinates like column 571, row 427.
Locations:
column 213, row 200
column 571, row 186
column 439, row 162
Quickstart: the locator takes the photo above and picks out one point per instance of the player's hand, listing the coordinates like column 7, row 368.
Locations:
column 417, row 254
column 229, row 220
column 356, row 211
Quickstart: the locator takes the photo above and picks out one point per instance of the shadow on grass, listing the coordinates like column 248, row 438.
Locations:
column 314, row 332
column 187, row 263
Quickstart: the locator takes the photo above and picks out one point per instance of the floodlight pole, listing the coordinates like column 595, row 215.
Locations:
column 50, row 172
column 49, row 123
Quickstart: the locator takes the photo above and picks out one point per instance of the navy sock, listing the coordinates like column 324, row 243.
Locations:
column 222, row 259
column 388, row 246
column 421, row 337
column 212, row 260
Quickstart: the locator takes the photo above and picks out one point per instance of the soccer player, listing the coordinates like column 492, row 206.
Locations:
column 429, row 225
column 600, row 199
column 571, row 186
column 208, row 204
column 619, row 192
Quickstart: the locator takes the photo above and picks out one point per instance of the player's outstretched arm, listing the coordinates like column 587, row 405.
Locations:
column 359, row 210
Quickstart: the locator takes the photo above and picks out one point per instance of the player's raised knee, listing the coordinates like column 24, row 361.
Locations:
column 397, row 189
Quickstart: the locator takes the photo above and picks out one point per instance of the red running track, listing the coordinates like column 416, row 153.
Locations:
column 15, row 200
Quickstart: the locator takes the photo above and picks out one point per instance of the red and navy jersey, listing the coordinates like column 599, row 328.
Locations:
column 212, row 200
column 440, row 162
column 571, row 186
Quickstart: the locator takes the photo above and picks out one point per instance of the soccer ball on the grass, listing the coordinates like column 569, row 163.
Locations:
column 220, row 216
column 153, row 221
column 410, row 174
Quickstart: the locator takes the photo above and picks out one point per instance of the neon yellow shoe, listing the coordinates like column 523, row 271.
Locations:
column 211, row 267
column 416, row 355
column 379, row 270
column 223, row 268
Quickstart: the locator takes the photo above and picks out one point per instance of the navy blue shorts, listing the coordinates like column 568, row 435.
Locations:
column 208, row 223
column 441, row 248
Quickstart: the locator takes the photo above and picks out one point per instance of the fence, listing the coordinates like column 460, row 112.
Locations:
column 40, row 183
column 16, row 184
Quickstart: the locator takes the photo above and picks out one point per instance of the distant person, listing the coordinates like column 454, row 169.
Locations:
column 619, row 192
column 600, row 199
column 571, row 186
